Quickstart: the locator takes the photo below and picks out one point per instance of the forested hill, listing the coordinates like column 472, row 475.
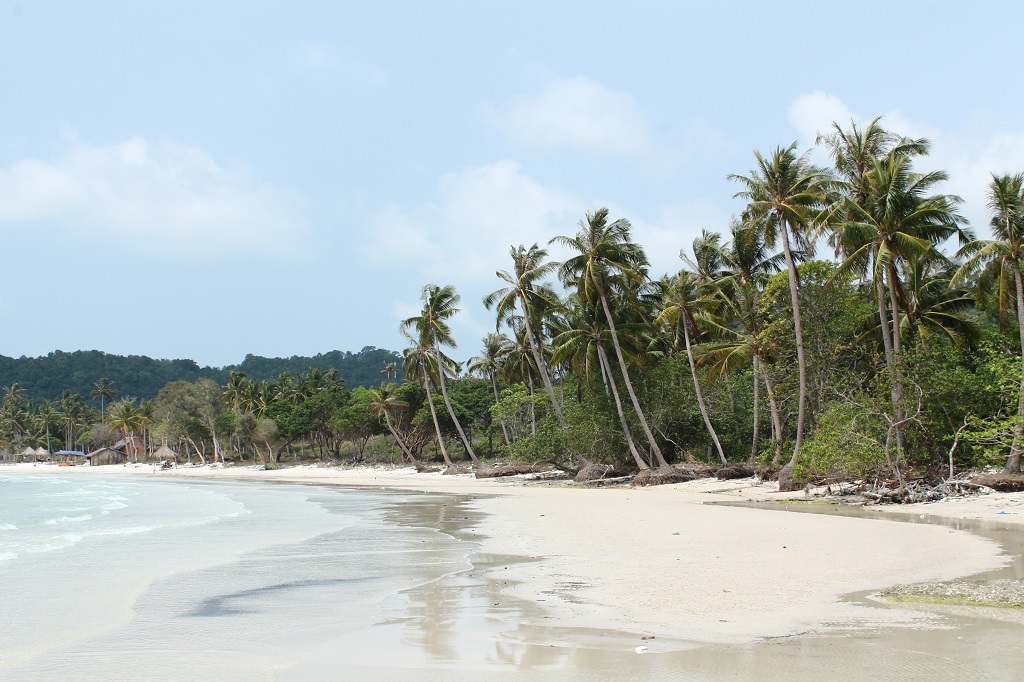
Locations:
column 46, row 377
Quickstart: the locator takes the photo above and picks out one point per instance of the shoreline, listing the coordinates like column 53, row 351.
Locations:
column 660, row 562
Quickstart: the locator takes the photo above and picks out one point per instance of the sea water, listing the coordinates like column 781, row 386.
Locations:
column 123, row 577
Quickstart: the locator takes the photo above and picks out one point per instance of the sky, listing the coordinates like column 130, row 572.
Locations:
column 209, row 179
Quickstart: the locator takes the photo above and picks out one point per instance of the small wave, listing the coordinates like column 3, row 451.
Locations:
column 133, row 530
column 7, row 556
column 112, row 506
column 55, row 542
column 67, row 519
column 8, row 526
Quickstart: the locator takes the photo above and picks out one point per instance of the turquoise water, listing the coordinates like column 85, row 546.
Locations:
column 110, row 577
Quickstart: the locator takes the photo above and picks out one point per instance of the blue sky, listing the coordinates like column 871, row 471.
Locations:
column 209, row 179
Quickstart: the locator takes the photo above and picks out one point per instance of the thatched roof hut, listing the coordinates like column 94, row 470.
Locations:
column 29, row 451
column 165, row 453
column 42, row 452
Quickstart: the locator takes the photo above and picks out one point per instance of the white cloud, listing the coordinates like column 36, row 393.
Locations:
column 968, row 156
column 814, row 113
column 577, row 113
column 164, row 196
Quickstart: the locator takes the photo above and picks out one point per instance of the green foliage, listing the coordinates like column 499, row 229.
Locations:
column 848, row 443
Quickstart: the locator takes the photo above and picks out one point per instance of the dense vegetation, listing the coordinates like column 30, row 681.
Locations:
column 47, row 377
column 895, row 359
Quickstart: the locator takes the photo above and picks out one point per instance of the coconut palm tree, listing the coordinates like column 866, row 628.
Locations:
column 608, row 263
column 383, row 403
column 431, row 326
column 47, row 417
column 489, row 364
column 785, row 194
column 684, row 300
column 525, row 289
column 127, row 419
column 996, row 263
column 104, row 390
column 421, row 366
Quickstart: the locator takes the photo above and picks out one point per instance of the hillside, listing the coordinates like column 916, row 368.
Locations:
column 46, row 377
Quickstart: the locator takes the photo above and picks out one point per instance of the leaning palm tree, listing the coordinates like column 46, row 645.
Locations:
column 129, row 420
column 383, row 403
column 526, row 291
column 785, row 194
column 420, row 366
column 997, row 264
column 608, row 263
column 431, row 326
column 684, row 300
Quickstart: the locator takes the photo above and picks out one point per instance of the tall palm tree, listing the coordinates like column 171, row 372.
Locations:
column 431, row 326
column 48, row 417
column 683, row 301
column 608, row 262
column 785, row 193
column 104, row 390
column 421, row 366
column 997, row 263
column 525, row 290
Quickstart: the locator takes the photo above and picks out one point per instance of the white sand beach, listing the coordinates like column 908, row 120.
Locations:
column 662, row 561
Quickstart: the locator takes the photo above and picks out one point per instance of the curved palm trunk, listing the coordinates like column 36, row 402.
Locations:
column 700, row 396
column 497, row 399
column 1013, row 461
column 448, row 404
column 433, row 415
column 629, row 385
column 786, row 475
column 541, row 366
column 605, row 367
column 405, row 448
column 776, row 417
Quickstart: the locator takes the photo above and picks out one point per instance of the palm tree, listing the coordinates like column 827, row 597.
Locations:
column 489, row 364
column 127, row 419
column 420, row 366
column 524, row 289
column 683, row 301
column 608, row 263
column 383, row 404
column 997, row 264
column 48, row 417
column 104, row 390
column 785, row 193
column 431, row 325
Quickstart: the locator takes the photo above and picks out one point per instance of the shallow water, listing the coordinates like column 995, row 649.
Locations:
column 222, row 581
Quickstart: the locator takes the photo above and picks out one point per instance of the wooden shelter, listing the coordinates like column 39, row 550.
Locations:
column 106, row 456
column 164, row 453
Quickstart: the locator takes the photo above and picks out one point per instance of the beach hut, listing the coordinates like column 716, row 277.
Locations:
column 42, row 452
column 28, row 454
column 106, row 456
column 164, row 453
column 134, row 448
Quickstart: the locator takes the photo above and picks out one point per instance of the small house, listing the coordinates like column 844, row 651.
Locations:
column 106, row 456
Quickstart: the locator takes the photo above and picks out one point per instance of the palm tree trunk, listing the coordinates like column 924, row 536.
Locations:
column 629, row 385
column 433, row 415
column 605, row 367
column 1013, row 461
column 897, row 356
column 448, row 404
column 786, row 475
column 401, row 443
column 700, row 396
column 497, row 399
column 756, row 436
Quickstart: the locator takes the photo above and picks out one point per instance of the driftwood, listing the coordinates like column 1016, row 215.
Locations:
column 662, row 476
column 1004, row 483
column 596, row 472
column 455, row 470
column 732, row 472
column 514, row 469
